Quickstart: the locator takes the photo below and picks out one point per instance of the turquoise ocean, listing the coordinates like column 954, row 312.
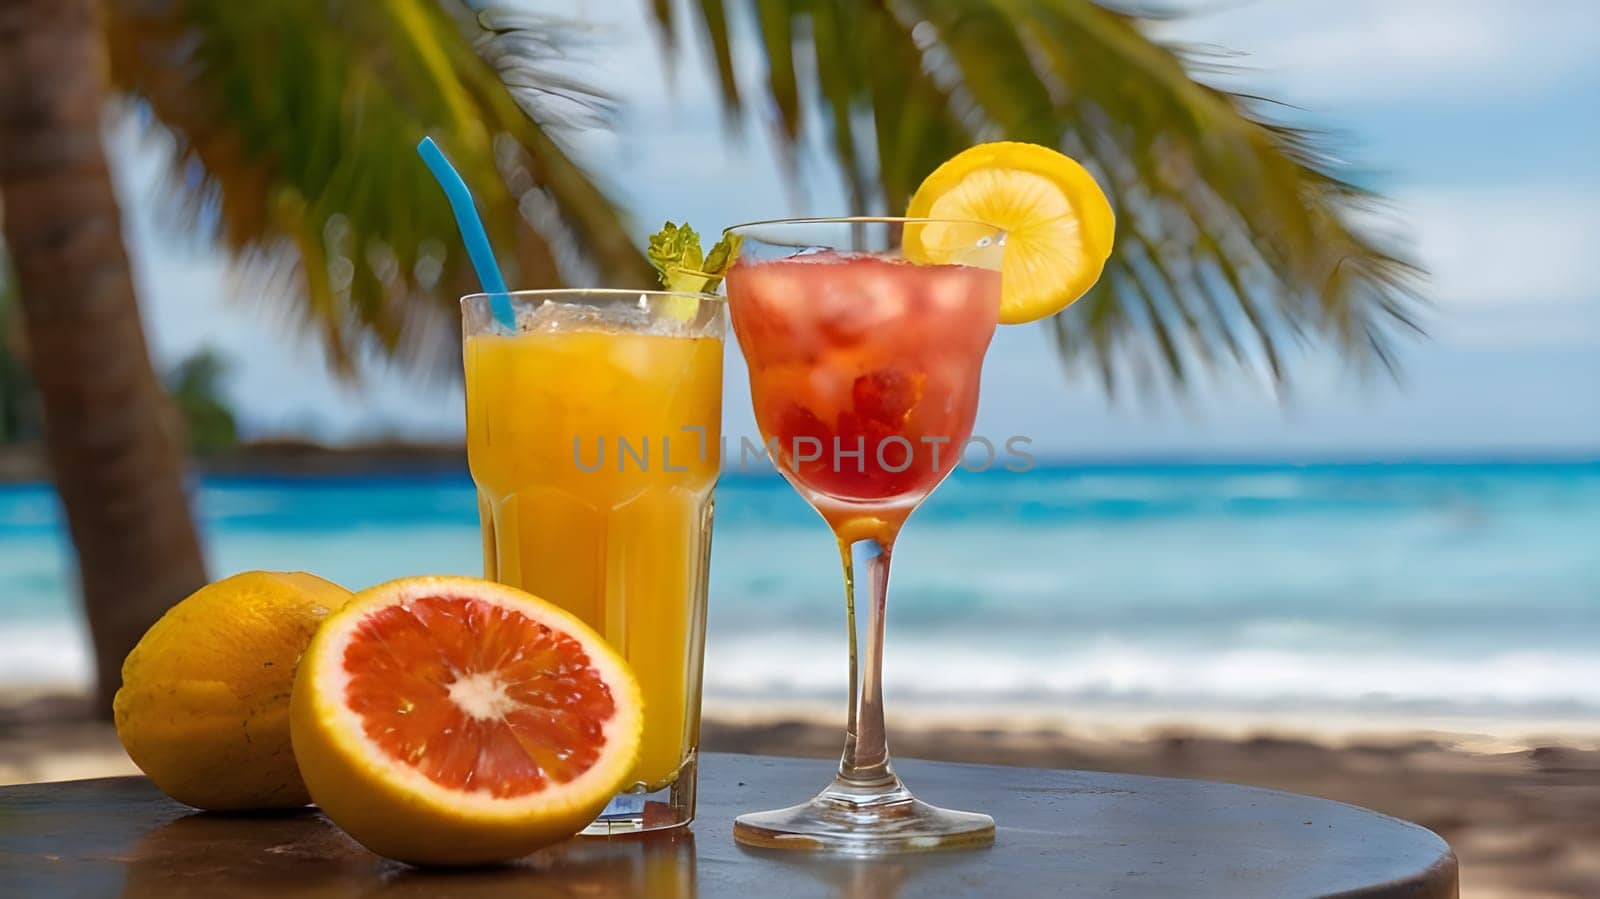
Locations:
column 1461, row 588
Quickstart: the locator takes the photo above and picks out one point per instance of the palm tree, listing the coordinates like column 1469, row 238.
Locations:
column 1237, row 237
column 195, row 385
column 107, row 427
column 293, row 123
column 18, row 412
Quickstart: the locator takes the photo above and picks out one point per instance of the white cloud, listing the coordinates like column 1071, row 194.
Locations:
column 1329, row 51
column 1514, row 267
column 1532, row 325
column 1508, row 245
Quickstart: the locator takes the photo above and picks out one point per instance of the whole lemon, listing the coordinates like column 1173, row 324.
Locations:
column 204, row 704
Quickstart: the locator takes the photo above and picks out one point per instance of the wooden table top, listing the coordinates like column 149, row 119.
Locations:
column 1060, row 833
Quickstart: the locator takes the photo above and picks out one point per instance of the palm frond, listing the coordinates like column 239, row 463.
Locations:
column 839, row 75
column 1239, row 237
column 715, row 19
column 776, row 19
column 661, row 12
column 295, row 124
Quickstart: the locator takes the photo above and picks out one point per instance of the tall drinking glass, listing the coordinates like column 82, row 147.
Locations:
column 593, row 433
column 865, row 339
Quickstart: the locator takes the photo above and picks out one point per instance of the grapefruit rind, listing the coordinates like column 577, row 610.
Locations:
column 393, row 808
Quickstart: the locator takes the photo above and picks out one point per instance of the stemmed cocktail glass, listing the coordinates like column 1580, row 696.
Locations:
column 865, row 339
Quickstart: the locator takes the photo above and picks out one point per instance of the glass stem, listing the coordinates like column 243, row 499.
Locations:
column 866, row 745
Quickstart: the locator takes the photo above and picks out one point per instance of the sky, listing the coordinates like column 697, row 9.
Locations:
column 1479, row 118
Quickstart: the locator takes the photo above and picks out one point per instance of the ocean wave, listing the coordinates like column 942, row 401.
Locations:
column 46, row 654
column 956, row 671
column 777, row 669
column 1369, row 586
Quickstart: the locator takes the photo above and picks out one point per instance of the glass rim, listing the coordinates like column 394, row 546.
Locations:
column 572, row 293
column 864, row 220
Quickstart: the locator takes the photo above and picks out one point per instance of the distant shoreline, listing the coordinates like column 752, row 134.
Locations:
column 281, row 458
column 305, row 458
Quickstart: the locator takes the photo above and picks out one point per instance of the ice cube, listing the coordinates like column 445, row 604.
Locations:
column 641, row 314
column 551, row 316
column 861, row 297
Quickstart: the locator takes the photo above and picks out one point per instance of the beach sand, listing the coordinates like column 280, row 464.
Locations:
column 1522, row 815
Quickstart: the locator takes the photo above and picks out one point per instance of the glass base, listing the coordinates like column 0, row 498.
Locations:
column 639, row 809
column 864, row 821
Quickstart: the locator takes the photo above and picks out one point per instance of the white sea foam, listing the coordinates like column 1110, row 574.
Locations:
column 1360, row 592
column 956, row 670
column 46, row 654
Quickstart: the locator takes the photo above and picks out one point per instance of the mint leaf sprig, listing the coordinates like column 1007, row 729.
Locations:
column 675, row 252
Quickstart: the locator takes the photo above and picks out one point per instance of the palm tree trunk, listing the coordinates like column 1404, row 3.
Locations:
column 110, row 433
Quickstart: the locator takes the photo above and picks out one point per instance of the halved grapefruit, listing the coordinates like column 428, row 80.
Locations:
column 451, row 720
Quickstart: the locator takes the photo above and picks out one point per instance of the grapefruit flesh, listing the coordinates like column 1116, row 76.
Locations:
column 477, row 696
column 457, row 721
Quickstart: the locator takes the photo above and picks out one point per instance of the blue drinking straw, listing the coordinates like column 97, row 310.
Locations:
column 472, row 233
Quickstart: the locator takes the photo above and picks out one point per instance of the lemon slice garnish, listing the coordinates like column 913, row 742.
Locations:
column 1058, row 222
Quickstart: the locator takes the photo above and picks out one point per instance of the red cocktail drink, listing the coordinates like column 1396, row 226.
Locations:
column 863, row 372
column 865, row 341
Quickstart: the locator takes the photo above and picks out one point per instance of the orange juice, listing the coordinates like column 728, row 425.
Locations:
column 595, row 452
